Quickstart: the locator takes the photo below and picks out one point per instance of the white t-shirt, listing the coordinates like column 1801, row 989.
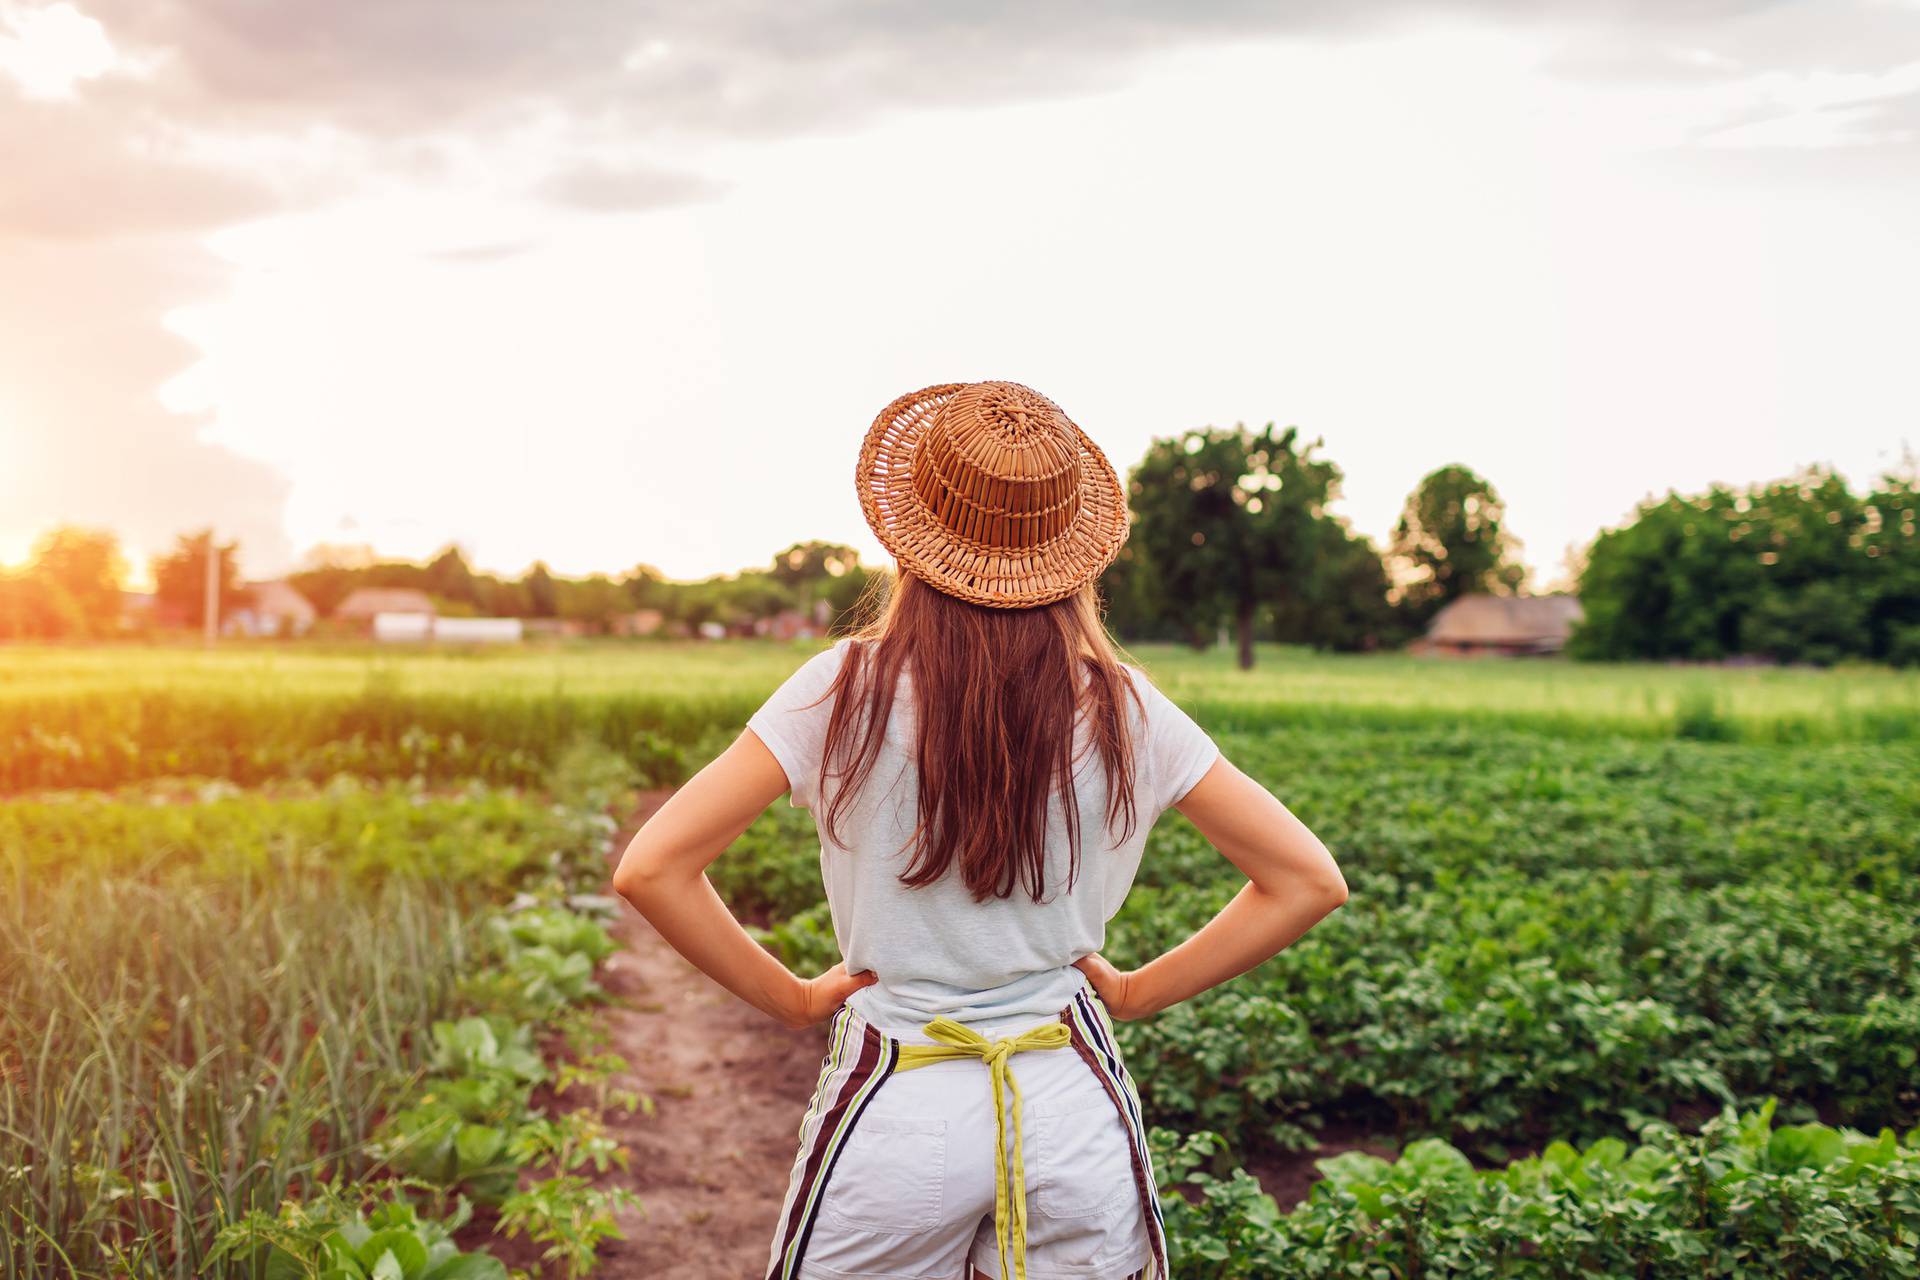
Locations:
column 934, row 950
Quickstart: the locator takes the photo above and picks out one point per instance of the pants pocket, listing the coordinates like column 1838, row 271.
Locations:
column 890, row 1176
column 1082, row 1155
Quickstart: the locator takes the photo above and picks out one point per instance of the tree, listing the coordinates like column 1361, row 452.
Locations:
column 1452, row 540
column 805, row 563
column 1231, row 521
column 37, row 608
column 1889, row 536
column 450, row 578
column 180, row 577
column 1344, row 605
column 85, row 565
column 646, row 587
column 543, row 594
column 1800, row 570
column 595, row 600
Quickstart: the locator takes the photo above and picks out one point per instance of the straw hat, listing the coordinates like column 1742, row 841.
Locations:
column 988, row 492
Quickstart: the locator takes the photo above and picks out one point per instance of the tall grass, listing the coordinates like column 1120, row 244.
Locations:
column 206, row 1010
column 175, row 1054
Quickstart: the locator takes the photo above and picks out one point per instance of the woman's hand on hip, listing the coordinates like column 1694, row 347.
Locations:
column 820, row 996
column 1116, row 988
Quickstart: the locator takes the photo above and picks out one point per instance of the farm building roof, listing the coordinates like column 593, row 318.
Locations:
column 278, row 598
column 1533, row 621
column 364, row 602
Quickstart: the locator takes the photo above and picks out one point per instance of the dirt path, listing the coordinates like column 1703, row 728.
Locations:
column 729, row 1086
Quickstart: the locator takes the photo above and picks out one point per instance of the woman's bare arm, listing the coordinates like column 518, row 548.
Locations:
column 663, row 874
column 1292, row 884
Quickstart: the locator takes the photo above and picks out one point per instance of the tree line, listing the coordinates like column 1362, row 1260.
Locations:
column 1232, row 535
column 71, row 588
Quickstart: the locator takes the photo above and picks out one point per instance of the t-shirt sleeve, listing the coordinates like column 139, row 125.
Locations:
column 793, row 723
column 1178, row 751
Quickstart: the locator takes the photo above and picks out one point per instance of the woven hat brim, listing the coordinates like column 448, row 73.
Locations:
column 967, row 569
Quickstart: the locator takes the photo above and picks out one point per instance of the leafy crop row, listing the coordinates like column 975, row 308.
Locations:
column 1546, row 938
column 1741, row 1198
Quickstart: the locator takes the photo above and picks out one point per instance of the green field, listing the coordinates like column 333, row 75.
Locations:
column 1764, row 703
column 1629, row 981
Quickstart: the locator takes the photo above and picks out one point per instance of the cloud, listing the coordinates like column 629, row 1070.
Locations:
column 135, row 127
column 494, row 251
column 602, row 189
column 83, row 435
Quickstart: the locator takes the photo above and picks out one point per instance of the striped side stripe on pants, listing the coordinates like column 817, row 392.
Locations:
column 854, row 1069
column 1092, row 1039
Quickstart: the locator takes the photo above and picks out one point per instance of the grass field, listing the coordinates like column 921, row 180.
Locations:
column 1761, row 703
column 1629, row 983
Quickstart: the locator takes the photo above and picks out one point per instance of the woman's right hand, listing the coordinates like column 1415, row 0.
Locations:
column 1116, row 989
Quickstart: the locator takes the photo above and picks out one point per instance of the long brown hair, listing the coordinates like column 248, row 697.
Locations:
column 997, row 692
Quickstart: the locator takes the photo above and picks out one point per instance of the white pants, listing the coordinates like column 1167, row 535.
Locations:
column 894, row 1178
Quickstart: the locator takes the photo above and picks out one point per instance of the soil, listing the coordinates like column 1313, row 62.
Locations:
column 1287, row 1176
column 710, row 1166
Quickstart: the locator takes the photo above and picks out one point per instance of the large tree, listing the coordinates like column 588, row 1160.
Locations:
column 1231, row 521
column 180, row 576
column 806, row 563
column 1800, row 570
column 1452, row 540
column 543, row 593
column 450, row 577
column 85, row 565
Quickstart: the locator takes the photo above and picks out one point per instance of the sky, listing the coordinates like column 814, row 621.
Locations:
column 611, row 284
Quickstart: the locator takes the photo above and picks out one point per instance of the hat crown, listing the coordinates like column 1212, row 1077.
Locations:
column 1000, row 466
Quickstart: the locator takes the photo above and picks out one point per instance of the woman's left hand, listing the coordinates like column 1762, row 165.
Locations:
column 820, row 996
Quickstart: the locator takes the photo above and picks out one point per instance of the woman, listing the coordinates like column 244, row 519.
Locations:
column 983, row 771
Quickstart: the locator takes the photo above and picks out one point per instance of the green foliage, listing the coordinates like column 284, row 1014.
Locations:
column 106, row 717
column 474, row 841
column 570, row 1217
column 1229, row 523
column 1549, row 937
column 1545, row 938
column 1740, row 1199
column 320, row 1240
column 804, row 942
column 180, row 577
column 186, row 1048
column 1802, row 570
column 1452, row 540
column 773, row 869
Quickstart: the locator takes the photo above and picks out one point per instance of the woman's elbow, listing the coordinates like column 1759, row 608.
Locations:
column 628, row 882
column 1326, row 884
column 636, row 878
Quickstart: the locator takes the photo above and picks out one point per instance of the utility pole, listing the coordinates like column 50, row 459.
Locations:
column 211, row 627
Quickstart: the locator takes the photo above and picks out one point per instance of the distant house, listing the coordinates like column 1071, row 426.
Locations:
column 640, row 622
column 364, row 603
column 479, row 630
column 276, row 609
column 788, row 624
column 140, row 610
column 554, row 628
column 389, row 627
column 1507, row 625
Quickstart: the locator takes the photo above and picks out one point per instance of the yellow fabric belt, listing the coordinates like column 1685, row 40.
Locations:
column 956, row 1040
